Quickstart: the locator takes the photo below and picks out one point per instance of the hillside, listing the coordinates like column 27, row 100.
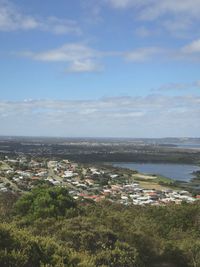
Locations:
column 47, row 227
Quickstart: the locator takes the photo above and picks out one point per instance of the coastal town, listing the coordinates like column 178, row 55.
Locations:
column 89, row 182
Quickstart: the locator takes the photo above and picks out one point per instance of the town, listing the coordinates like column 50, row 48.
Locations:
column 88, row 182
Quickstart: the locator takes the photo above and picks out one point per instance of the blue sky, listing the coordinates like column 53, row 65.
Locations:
column 121, row 68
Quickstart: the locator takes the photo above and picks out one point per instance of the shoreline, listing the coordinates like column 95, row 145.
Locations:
column 149, row 179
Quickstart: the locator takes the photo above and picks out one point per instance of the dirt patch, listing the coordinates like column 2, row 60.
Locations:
column 144, row 176
column 151, row 185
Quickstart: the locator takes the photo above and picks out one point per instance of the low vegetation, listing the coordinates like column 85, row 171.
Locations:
column 47, row 227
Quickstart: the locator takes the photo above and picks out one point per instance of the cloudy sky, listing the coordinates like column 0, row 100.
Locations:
column 104, row 68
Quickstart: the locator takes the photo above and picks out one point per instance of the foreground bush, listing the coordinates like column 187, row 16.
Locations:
column 47, row 227
column 43, row 202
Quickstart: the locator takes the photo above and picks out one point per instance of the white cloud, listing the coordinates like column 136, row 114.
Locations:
column 82, row 58
column 79, row 56
column 193, row 47
column 153, row 115
column 156, row 8
column 178, row 26
column 67, row 52
column 152, row 9
column 13, row 19
column 179, row 86
column 122, row 3
column 87, row 65
column 188, row 52
column 142, row 54
column 175, row 17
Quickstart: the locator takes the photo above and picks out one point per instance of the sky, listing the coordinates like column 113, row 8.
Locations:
column 100, row 68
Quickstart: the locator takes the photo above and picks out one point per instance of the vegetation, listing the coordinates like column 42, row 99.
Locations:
column 44, row 202
column 197, row 174
column 104, row 150
column 46, row 227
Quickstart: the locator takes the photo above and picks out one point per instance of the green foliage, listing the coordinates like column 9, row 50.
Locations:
column 48, row 229
column 6, row 203
column 44, row 202
column 21, row 249
column 122, row 255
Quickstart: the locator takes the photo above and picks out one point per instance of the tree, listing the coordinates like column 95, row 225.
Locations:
column 122, row 255
column 44, row 202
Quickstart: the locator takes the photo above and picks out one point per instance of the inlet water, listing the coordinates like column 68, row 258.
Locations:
column 179, row 172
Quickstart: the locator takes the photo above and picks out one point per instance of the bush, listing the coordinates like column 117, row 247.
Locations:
column 45, row 202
